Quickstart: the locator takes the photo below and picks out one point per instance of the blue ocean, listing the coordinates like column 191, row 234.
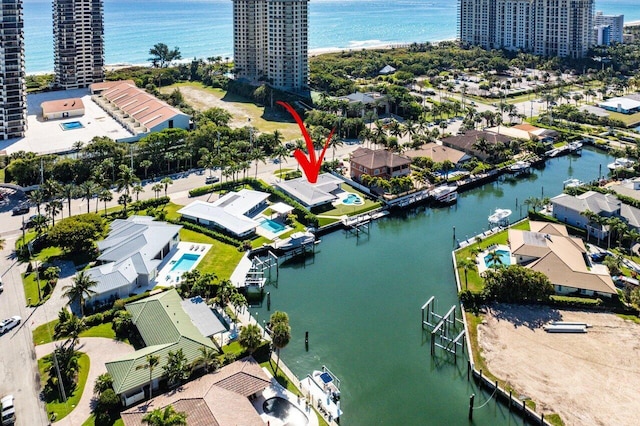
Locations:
column 203, row 28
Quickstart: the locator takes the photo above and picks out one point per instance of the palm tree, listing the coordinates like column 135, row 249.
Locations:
column 151, row 362
column 36, row 197
column 166, row 182
column 208, row 358
column 467, row 265
column 176, row 369
column 250, row 337
column 167, row 417
column 69, row 191
column 494, row 259
column 88, row 190
column 157, row 188
column 281, row 152
column 126, row 178
column 162, row 56
column 280, row 333
column 53, row 207
column 145, row 164
column 137, row 189
column 103, row 382
column 81, row 287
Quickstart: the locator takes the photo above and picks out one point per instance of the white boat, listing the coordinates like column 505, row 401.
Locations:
column 445, row 194
column 519, row 167
column 572, row 183
column 297, row 239
column 620, row 163
column 500, row 216
column 575, row 146
column 323, row 387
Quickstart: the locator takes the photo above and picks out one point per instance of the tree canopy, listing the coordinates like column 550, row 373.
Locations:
column 516, row 284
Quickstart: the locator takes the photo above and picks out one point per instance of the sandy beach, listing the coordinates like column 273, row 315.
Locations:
column 588, row 379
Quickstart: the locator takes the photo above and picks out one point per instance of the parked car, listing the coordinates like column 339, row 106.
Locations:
column 8, row 410
column 9, row 323
column 599, row 256
column 211, row 179
column 20, row 209
column 1, row 286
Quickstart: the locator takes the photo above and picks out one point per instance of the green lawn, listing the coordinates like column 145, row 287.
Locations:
column 91, row 421
column 53, row 405
column 343, row 209
column 265, row 120
column 44, row 333
column 30, row 283
column 221, row 259
column 627, row 119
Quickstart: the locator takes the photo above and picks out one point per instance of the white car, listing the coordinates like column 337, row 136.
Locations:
column 9, row 323
column 8, row 410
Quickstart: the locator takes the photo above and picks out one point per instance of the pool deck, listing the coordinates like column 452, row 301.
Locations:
column 268, row 234
column 165, row 277
column 275, row 390
column 482, row 266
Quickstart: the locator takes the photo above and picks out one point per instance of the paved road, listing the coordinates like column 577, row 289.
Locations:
column 18, row 370
column 99, row 350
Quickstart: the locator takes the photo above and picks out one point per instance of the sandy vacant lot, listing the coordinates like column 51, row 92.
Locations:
column 588, row 379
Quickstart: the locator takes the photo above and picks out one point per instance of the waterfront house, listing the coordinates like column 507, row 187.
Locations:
column 165, row 326
column 569, row 209
column 369, row 100
column 378, row 163
column 623, row 105
column 324, row 191
column 439, row 154
column 130, row 256
column 232, row 213
column 525, row 132
column 548, row 248
column 221, row 398
column 467, row 142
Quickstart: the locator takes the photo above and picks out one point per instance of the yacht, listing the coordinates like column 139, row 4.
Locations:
column 324, row 389
column 297, row 239
column 620, row 163
column 572, row 183
column 445, row 194
column 519, row 167
column 500, row 216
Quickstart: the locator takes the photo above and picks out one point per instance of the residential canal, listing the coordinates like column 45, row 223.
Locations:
column 360, row 299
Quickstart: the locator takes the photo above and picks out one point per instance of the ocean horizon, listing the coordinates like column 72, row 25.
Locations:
column 204, row 28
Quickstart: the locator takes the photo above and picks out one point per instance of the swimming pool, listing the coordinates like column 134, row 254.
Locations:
column 70, row 125
column 285, row 411
column 271, row 225
column 185, row 263
column 352, row 200
column 504, row 255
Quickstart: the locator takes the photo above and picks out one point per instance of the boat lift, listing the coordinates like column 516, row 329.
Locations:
column 447, row 333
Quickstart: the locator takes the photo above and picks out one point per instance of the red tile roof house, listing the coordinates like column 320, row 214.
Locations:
column 378, row 163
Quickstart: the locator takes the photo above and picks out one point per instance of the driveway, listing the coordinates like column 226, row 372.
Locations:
column 99, row 350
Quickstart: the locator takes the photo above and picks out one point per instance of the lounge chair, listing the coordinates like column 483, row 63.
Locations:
column 202, row 248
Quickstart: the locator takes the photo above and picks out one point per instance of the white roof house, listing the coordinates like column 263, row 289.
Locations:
column 233, row 212
column 130, row 256
column 623, row 105
column 312, row 195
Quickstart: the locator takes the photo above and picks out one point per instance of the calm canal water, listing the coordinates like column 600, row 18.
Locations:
column 360, row 301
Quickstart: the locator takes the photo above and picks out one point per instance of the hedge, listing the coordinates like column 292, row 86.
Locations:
column 207, row 231
column 152, row 202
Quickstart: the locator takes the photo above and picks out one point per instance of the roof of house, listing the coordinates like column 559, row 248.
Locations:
column 145, row 108
column 466, row 141
column 165, row 327
column 511, row 132
column 558, row 256
column 590, row 200
column 365, row 98
column 312, row 194
column 202, row 316
column 61, row 105
column 374, row 159
column 537, row 131
column 220, row 398
column 104, row 85
column 438, row 153
column 387, row 69
column 624, row 103
column 227, row 212
column 130, row 250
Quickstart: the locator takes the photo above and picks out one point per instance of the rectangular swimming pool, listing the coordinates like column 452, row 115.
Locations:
column 70, row 125
column 185, row 263
column 271, row 225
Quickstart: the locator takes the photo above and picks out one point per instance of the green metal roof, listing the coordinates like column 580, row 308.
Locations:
column 164, row 326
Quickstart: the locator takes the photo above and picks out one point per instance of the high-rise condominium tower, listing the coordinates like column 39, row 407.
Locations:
column 270, row 42
column 78, row 38
column 543, row 27
column 13, row 97
column 615, row 24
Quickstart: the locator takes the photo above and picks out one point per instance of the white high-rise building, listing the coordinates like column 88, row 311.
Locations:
column 78, row 40
column 615, row 24
column 542, row 27
column 13, row 97
column 270, row 42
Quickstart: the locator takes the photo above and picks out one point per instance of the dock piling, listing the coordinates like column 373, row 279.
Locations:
column 471, row 398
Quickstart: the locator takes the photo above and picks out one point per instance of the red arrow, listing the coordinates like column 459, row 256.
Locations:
column 311, row 165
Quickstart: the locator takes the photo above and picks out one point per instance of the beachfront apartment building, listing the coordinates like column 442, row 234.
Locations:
column 610, row 26
column 13, row 97
column 78, row 42
column 543, row 27
column 270, row 42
